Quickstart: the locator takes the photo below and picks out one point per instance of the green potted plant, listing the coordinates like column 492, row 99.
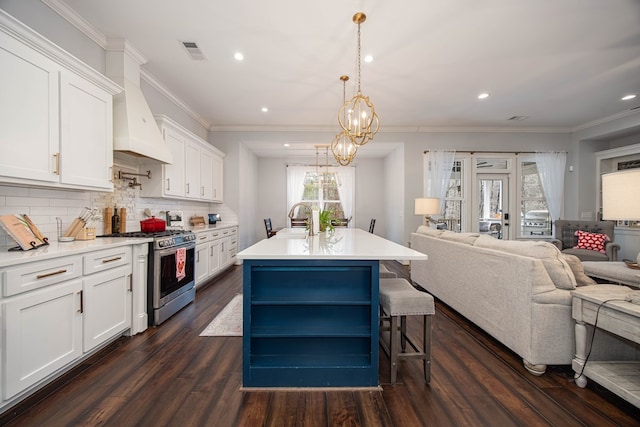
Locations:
column 325, row 220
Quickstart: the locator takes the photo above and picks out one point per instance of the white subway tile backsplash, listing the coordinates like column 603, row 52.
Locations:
column 45, row 205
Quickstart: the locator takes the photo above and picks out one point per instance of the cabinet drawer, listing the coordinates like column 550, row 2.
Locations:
column 104, row 260
column 35, row 275
column 203, row 238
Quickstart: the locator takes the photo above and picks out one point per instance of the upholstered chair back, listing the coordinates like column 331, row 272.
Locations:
column 566, row 239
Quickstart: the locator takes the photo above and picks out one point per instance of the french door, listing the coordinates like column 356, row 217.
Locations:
column 491, row 215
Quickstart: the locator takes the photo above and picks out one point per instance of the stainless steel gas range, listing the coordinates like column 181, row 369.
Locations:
column 170, row 272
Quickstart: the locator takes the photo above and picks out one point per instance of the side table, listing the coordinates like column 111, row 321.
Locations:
column 618, row 317
column 616, row 272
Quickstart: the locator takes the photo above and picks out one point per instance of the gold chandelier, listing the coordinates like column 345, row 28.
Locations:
column 343, row 147
column 358, row 115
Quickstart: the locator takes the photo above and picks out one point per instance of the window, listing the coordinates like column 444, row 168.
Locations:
column 453, row 200
column 321, row 189
column 331, row 188
column 534, row 212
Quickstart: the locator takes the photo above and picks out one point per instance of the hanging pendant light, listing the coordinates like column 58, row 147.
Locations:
column 358, row 115
column 343, row 147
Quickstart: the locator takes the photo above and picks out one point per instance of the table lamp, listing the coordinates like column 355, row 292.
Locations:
column 427, row 207
column 620, row 196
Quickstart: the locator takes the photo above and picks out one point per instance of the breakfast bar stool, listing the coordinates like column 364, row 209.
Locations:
column 399, row 299
column 385, row 273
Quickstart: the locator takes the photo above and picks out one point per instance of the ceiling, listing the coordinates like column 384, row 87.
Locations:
column 560, row 64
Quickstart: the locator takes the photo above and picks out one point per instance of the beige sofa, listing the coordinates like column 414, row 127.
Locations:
column 518, row 292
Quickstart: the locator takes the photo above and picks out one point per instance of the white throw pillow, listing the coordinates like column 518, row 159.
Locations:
column 553, row 260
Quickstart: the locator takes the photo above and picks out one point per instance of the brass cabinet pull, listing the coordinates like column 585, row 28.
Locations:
column 168, row 184
column 53, row 273
column 131, row 283
column 57, row 169
column 81, row 310
column 104, row 261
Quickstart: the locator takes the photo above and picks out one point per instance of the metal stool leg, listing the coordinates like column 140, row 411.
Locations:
column 393, row 348
column 426, row 348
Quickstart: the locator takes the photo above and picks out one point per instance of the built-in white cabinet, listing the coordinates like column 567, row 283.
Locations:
column 60, row 133
column 56, row 311
column 106, row 295
column 215, row 251
column 218, row 178
column 42, row 333
column 196, row 172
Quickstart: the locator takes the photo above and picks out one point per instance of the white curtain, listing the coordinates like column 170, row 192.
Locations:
column 347, row 177
column 295, row 186
column 551, row 167
column 438, row 165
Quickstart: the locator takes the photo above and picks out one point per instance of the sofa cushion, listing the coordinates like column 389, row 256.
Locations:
column 591, row 241
column 428, row 231
column 466, row 238
column 553, row 260
column 578, row 270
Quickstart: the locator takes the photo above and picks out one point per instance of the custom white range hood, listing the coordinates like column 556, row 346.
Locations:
column 135, row 131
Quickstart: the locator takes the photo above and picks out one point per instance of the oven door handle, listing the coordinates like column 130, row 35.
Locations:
column 163, row 252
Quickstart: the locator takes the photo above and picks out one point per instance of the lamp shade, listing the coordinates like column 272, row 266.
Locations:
column 424, row 206
column 621, row 195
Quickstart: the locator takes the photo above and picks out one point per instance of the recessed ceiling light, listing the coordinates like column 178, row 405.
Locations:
column 368, row 58
column 628, row 97
column 483, row 96
column 286, row 145
column 239, row 56
column 265, row 109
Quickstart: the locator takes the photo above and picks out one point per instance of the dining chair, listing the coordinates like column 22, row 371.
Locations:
column 372, row 224
column 269, row 228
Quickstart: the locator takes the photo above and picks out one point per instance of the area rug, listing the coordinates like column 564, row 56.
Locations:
column 228, row 323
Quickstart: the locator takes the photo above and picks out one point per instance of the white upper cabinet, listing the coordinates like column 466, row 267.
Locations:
column 57, row 114
column 196, row 171
column 29, row 135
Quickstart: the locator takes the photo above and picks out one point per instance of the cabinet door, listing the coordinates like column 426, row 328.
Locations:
column 214, row 257
column 174, row 173
column 218, row 178
column 224, row 252
column 107, row 305
column 86, row 133
column 206, row 175
column 42, row 333
column 202, row 262
column 29, row 136
column 192, row 171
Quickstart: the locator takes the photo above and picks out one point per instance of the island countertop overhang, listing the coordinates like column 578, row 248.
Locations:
column 342, row 244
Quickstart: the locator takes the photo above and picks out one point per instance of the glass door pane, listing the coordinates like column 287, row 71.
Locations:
column 492, row 205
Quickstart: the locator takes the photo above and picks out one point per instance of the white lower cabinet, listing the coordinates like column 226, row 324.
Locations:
column 42, row 332
column 215, row 251
column 55, row 312
column 106, row 306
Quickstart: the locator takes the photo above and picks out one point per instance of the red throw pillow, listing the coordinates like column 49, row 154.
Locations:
column 591, row 241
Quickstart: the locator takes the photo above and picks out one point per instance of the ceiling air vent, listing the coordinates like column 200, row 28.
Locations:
column 193, row 50
column 518, row 118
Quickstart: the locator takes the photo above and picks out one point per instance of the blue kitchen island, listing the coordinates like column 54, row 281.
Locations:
column 310, row 314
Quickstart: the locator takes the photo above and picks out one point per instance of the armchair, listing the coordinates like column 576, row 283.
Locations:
column 565, row 239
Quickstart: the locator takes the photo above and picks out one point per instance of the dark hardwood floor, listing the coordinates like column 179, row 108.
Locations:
column 171, row 376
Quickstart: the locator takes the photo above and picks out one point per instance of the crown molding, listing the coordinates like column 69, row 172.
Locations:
column 393, row 129
column 63, row 9
column 153, row 82
column 607, row 119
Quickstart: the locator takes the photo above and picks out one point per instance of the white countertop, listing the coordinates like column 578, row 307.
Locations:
column 57, row 249
column 344, row 243
column 210, row 227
